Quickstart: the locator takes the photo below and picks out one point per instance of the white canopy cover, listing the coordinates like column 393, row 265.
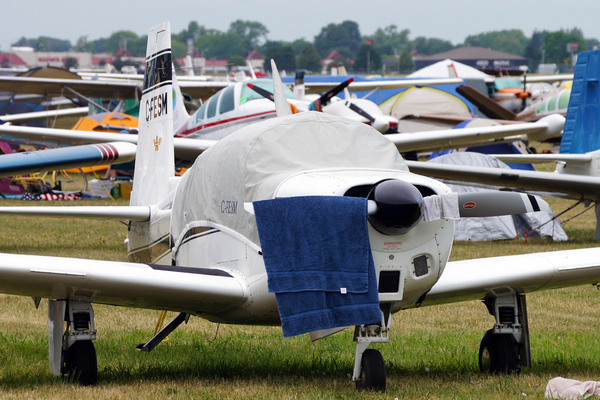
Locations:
column 249, row 164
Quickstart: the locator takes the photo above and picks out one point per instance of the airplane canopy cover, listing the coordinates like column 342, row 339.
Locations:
column 249, row 165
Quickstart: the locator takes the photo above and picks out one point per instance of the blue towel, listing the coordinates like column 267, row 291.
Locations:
column 315, row 248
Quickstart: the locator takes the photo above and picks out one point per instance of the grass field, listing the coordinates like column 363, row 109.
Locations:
column 432, row 353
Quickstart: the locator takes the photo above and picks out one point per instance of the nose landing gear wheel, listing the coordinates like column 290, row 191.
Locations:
column 372, row 372
column 497, row 354
column 80, row 364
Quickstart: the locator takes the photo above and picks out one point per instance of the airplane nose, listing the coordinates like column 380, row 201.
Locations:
column 398, row 207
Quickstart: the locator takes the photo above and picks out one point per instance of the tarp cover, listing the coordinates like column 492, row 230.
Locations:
column 249, row 164
column 502, row 227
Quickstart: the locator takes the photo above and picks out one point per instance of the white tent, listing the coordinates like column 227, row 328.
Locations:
column 503, row 227
column 440, row 70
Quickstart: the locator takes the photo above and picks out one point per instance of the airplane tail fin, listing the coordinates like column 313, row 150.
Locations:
column 581, row 133
column 180, row 113
column 155, row 163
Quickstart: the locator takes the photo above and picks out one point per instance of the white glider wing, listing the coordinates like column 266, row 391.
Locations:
column 319, row 87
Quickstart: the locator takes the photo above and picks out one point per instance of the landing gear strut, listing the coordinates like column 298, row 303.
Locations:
column 72, row 353
column 505, row 348
column 369, row 367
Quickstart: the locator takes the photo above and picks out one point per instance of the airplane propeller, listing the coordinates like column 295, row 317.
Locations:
column 396, row 206
column 325, row 98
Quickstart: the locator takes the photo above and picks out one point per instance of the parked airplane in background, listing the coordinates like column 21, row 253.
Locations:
column 577, row 174
column 216, row 242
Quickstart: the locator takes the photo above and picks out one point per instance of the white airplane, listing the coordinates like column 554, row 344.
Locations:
column 229, row 242
column 577, row 174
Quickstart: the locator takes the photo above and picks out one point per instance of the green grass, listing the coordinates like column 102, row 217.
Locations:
column 257, row 362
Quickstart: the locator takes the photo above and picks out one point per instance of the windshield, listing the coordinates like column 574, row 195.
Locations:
column 502, row 83
column 267, row 84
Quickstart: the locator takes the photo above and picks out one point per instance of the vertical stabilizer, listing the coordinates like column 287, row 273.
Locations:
column 582, row 127
column 155, row 163
column 180, row 114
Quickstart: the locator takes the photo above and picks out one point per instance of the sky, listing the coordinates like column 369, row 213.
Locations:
column 290, row 20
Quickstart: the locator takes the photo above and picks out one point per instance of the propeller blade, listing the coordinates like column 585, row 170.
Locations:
column 360, row 111
column 264, row 93
column 318, row 104
column 490, row 204
column 268, row 95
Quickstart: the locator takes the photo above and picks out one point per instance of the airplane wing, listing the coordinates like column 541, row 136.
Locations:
column 549, row 78
column 32, row 116
column 186, row 149
column 192, row 290
column 103, row 88
column 475, row 279
column 68, row 157
column 319, row 87
column 561, row 185
column 58, row 87
column 543, row 158
column 547, row 127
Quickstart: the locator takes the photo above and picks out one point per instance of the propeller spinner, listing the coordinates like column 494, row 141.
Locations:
column 398, row 207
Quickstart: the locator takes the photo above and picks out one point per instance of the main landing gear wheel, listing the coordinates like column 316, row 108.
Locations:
column 80, row 364
column 372, row 371
column 497, row 354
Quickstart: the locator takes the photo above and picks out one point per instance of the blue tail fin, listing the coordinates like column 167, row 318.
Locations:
column 581, row 133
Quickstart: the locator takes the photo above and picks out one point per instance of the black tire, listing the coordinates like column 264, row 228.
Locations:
column 80, row 363
column 372, row 371
column 497, row 354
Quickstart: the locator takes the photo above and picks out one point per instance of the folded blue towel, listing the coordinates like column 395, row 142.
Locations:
column 319, row 264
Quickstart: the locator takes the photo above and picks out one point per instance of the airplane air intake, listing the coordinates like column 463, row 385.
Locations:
column 398, row 207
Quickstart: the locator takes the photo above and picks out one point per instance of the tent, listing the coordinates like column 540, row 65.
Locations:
column 503, row 227
column 440, row 70
column 410, row 104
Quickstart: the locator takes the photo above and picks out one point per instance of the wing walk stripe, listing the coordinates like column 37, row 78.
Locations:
column 534, row 203
column 191, row 270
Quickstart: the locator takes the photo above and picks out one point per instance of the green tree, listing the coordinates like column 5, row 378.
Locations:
column 389, row 41
column 216, row 44
column 193, row 31
column 283, row 56
column 344, row 37
column 366, row 52
column 178, row 48
column 430, row 46
column 251, row 33
column 100, row 45
column 511, row 41
column 555, row 44
column 235, row 61
column 299, row 44
column 405, row 63
column 83, row 45
column 121, row 40
column 44, row 43
column 309, row 59
column 534, row 49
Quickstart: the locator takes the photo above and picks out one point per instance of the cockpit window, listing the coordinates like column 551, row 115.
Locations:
column 227, row 102
column 200, row 113
column 267, row 84
column 212, row 105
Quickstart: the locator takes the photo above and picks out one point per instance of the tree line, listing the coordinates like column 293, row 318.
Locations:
column 356, row 50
